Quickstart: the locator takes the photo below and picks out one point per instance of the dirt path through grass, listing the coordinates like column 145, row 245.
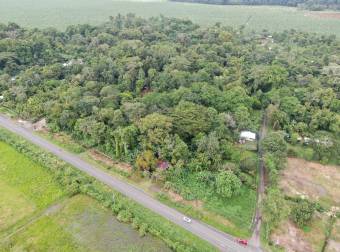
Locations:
column 46, row 212
column 257, row 221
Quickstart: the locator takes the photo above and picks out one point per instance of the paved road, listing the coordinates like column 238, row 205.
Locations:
column 222, row 241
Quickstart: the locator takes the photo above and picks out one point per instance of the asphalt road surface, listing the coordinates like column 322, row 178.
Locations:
column 222, row 241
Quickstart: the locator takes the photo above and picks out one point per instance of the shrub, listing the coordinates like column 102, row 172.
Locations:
column 124, row 216
column 302, row 213
column 275, row 143
column 146, row 161
column 143, row 229
column 291, row 152
column 227, row 184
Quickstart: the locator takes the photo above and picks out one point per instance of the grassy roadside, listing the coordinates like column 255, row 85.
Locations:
column 206, row 214
column 6, row 111
column 62, row 140
column 126, row 210
column 208, row 217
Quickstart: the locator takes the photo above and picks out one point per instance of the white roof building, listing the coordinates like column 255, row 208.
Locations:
column 1, row 97
column 248, row 135
column 73, row 62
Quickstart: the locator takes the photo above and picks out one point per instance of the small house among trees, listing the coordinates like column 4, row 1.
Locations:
column 247, row 136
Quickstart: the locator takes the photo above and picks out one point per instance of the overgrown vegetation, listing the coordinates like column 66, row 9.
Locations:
column 75, row 182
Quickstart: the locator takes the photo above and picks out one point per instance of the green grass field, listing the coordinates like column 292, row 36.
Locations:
column 36, row 215
column 61, row 13
column 26, row 187
column 81, row 224
column 13, row 206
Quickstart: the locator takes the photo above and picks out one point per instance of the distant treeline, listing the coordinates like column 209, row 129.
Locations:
column 305, row 4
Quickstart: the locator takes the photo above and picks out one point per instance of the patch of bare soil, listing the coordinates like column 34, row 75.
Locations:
column 25, row 124
column 40, row 125
column 155, row 188
column 311, row 180
column 333, row 246
column 324, row 15
column 178, row 198
column 291, row 238
column 96, row 155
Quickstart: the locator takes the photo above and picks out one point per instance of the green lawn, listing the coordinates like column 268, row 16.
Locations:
column 61, row 13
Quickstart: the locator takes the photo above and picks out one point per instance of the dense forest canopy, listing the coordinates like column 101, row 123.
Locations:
column 172, row 97
column 305, row 4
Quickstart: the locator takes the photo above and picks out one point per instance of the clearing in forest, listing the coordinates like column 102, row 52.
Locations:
column 318, row 183
column 312, row 180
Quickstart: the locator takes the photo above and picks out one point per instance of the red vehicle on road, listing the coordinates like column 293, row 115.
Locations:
column 242, row 241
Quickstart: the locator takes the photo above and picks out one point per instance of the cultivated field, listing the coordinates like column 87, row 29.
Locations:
column 36, row 215
column 81, row 224
column 26, row 187
column 61, row 13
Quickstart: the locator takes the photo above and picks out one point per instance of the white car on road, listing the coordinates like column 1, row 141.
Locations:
column 186, row 219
